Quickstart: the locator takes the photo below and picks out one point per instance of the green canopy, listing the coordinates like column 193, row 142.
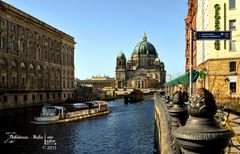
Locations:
column 183, row 79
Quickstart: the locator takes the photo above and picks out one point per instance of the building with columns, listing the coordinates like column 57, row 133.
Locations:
column 36, row 60
column 143, row 69
column 98, row 82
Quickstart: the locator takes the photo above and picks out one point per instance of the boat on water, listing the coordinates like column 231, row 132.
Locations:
column 133, row 96
column 69, row 112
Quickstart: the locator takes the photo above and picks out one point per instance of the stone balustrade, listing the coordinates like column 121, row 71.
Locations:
column 188, row 129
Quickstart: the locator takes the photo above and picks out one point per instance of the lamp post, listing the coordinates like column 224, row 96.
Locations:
column 191, row 62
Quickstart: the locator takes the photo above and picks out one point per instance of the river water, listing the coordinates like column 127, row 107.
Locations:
column 129, row 128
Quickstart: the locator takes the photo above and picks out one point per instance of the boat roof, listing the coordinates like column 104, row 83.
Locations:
column 47, row 106
column 79, row 104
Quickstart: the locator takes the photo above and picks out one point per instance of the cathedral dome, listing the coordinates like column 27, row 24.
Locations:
column 144, row 47
column 121, row 55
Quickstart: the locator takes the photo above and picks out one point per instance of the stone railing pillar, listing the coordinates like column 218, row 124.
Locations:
column 178, row 115
column 202, row 133
column 169, row 102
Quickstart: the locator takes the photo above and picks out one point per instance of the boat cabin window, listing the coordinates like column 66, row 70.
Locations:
column 50, row 111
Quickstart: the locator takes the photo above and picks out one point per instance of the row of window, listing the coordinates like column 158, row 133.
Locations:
column 46, row 48
column 23, row 31
column 38, row 67
column 31, row 82
column 25, row 98
column 55, row 57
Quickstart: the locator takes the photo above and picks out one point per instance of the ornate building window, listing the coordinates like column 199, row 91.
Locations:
column 14, row 80
column 2, row 41
column 31, row 66
column 29, row 46
column 3, row 79
column 39, row 81
column 45, row 68
column 14, row 44
column 2, row 24
column 13, row 63
column 2, row 61
column 63, row 59
column 22, row 65
column 3, row 72
column 52, row 56
column 67, row 60
column 56, row 57
column 38, row 67
column 13, row 28
column 23, row 80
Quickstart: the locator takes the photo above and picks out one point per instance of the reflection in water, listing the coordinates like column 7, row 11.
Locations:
column 129, row 128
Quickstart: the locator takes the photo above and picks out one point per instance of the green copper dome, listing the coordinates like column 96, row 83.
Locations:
column 121, row 55
column 144, row 47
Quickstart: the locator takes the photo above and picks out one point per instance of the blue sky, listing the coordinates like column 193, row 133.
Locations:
column 102, row 28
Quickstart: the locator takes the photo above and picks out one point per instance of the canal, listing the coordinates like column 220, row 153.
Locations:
column 129, row 128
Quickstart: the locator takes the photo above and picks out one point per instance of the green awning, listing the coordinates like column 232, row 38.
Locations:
column 183, row 79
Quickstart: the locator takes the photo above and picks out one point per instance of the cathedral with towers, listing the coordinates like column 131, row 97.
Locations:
column 143, row 70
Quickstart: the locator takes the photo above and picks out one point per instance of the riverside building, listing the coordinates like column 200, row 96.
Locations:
column 219, row 60
column 36, row 60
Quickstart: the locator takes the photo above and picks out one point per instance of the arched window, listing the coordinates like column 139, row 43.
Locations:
column 31, row 66
column 13, row 64
column 13, row 43
column 22, row 65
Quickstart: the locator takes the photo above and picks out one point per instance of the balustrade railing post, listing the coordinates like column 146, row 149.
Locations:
column 178, row 115
column 202, row 133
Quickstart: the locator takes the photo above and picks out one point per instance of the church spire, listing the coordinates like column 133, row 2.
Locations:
column 145, row 36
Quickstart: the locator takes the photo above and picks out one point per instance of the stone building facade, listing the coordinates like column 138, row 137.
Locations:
column 36, row 60
column 98, row 82
column 190, row 23
column 219, row 60
column 98, row 87
column 143, row 70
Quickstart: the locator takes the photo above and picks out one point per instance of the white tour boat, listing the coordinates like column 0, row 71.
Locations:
column 70, row 112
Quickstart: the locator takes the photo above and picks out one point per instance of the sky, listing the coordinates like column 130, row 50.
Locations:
column 102, row 28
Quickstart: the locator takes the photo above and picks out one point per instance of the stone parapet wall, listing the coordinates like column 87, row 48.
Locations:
column 162, row 126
